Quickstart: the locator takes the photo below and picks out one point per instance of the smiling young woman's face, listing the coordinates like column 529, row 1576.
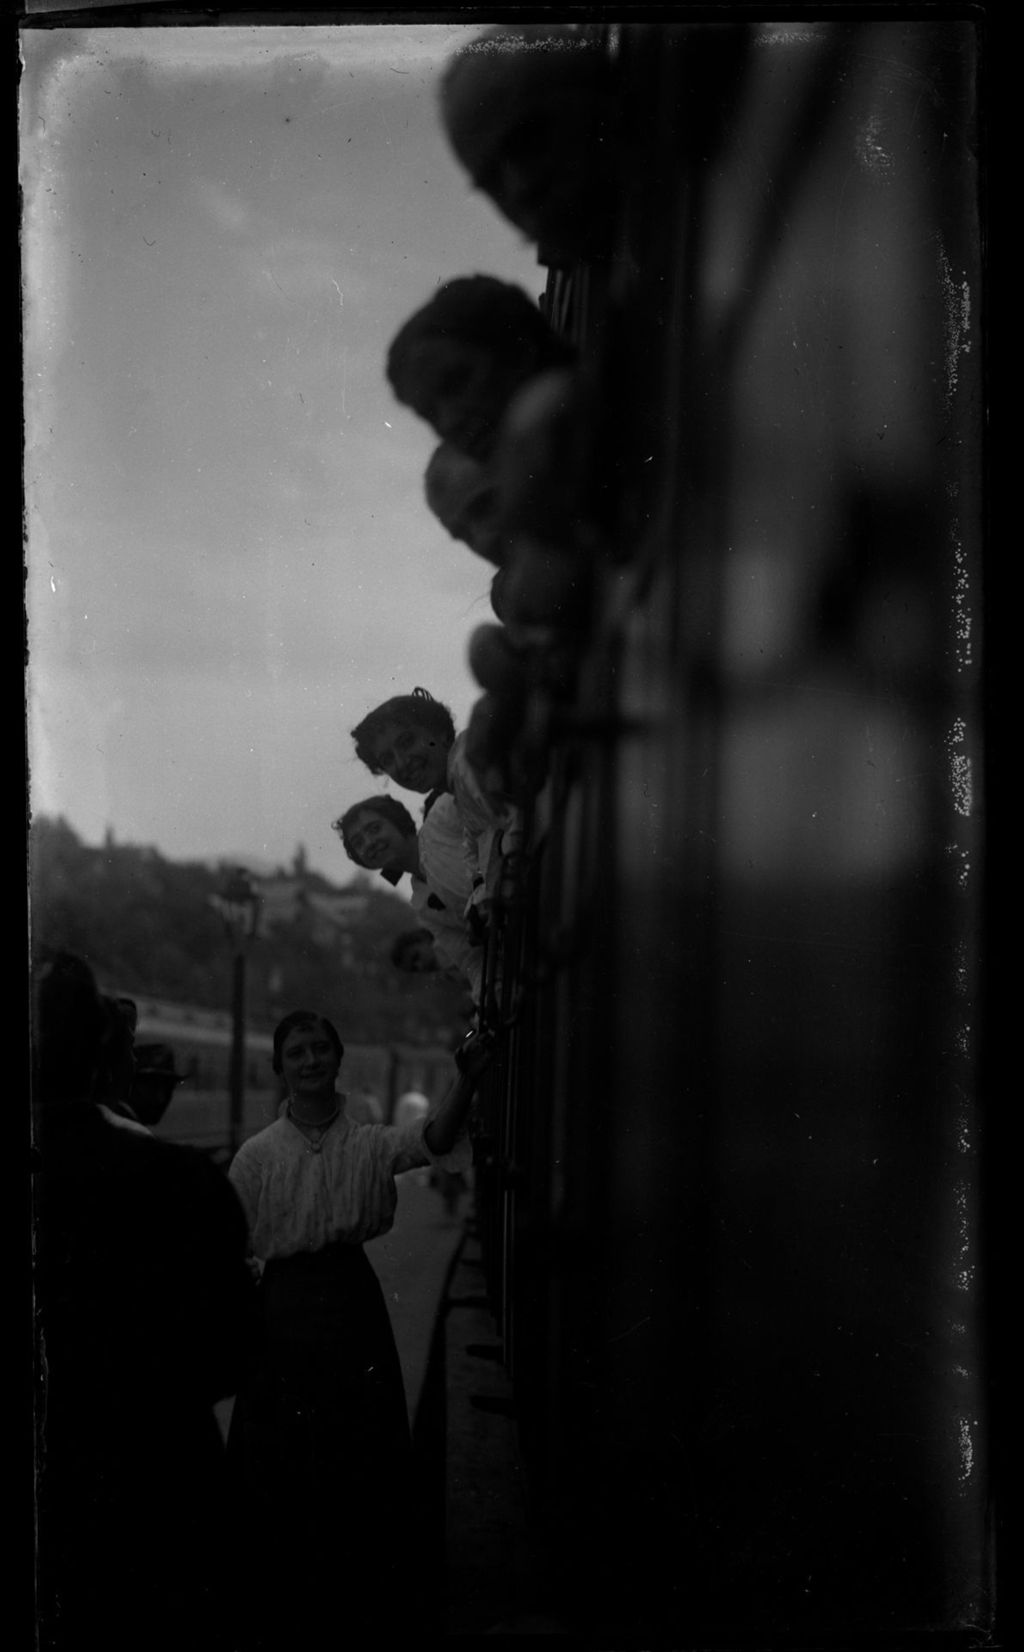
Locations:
column 414, row 758
column 374, row 840
column 310, row 1061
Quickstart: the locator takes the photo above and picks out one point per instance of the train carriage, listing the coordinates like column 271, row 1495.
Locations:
column 727, row 1164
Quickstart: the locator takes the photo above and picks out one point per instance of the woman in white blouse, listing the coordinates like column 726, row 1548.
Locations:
column 319, row 1439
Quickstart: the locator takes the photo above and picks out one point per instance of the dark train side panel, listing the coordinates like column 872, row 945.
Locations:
column 733, row 1199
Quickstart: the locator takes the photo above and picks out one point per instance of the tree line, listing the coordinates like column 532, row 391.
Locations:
column 149, row 926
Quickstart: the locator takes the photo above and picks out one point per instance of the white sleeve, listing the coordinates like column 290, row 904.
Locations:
column 409, row 1151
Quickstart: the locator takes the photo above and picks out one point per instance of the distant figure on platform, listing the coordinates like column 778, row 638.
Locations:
column 156, row 1079
column 116, row 1077
column 319, row 1436
column 528, row 111
column 146, row 1314
column 411, row 1106
column 463, row 497
column 459, row 360
column 451, row 1185
column 363, row 1107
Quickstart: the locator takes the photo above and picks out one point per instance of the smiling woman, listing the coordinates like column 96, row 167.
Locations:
column 408, row 738
column 319, row 1443
column 377, row 833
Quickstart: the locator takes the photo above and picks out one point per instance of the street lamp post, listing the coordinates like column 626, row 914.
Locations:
column 239, row 905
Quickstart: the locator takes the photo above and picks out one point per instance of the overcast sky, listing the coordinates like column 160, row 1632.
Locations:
column 229, row 555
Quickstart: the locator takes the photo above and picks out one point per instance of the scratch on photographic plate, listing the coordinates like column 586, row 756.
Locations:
column 960, row 768
column 870, row 151
column 958, row 323
column 966, row 1451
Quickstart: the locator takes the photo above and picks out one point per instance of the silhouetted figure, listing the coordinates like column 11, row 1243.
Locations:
column 528, row 111
column 502, row 745
column 547, row 476
column 550, row 486
column 459, row 360
column 542, row 599
column 497, row 663
column 145, row 1315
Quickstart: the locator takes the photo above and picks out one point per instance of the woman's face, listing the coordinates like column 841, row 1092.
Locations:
column 310, row 1061
column 463, row 497
column 374, row 840
column 463, row 391
column 411, row 756
column 531, row 137
column 559, row 204
column 474, row 521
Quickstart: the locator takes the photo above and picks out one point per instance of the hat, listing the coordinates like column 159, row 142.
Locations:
column 156, row 1061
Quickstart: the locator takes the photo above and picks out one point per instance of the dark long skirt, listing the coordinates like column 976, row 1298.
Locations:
column 320, row 1457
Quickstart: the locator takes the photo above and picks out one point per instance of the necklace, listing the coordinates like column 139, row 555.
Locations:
column 313, row 1144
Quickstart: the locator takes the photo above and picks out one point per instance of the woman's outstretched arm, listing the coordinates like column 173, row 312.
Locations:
column 442, row 1129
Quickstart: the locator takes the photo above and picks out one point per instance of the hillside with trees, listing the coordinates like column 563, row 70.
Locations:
column 152, row 927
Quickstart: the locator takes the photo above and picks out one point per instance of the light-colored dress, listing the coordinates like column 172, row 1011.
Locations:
column 441, row 896
column 442, row 852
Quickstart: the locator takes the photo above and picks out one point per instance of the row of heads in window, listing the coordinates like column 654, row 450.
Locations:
column 527, row 111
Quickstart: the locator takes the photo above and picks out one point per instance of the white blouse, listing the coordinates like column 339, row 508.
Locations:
column 297, row 1199
column 442, row 852
column 446, row 878
column 491, row 825
column 453, row 943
